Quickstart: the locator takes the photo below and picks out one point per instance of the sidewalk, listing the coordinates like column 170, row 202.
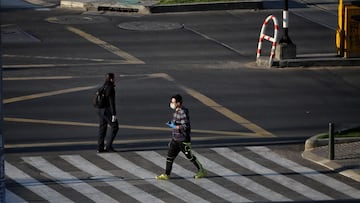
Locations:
column 347, row 156
column 150, row 6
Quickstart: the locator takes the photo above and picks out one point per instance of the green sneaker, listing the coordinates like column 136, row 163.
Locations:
column 202, row 173
column 162, row 177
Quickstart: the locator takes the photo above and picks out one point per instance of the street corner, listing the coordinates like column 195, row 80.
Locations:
column 347, row 158
column 348, row 168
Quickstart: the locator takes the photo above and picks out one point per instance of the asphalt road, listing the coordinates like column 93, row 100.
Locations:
column 54, row 59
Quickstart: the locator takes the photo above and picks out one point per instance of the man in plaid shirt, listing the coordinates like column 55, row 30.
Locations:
column 181, row 140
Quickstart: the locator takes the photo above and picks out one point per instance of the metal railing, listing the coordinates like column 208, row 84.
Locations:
column 273, row 39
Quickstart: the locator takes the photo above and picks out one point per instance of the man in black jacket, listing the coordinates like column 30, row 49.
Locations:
column 107, row 116
column 181, row 140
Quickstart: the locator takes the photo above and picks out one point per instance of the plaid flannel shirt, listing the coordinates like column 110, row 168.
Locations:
column 181, row 118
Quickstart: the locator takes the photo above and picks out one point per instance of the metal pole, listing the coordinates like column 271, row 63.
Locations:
column 285, row 38
column 2, row 171
column 331, row 142
column 287, row 49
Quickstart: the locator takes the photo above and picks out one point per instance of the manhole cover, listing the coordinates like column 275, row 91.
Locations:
column 150, row 26
column 77, row 19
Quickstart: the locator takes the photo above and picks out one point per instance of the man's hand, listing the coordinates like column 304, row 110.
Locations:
column 171, row 125
column 113, row 118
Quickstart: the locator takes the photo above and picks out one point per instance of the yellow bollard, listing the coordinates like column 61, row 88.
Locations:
column 352, row 31
column 340, row 30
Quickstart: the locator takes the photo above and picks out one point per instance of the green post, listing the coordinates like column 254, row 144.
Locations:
column 331, row 142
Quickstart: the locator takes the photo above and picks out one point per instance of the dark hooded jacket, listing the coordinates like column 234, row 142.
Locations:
column 110, row 97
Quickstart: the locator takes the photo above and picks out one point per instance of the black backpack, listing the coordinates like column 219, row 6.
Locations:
column 99, row 98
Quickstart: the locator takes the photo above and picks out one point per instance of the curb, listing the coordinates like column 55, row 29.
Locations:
column 311, row 62
column 316, row 60
column 313, row 142
column 206, row 6
column 331, row 165
column 152, row 8
column 94, row 6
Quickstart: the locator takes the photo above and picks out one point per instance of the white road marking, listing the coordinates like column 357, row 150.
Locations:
column 277, row 177
column 134, row 192
column 11, row 197
column 240, row 180
column 33, row 185
column 314, row 175
column 205, row 183
column 68, row 180
column 140, row 172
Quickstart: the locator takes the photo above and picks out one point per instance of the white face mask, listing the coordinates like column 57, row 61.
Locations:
column 172, row 106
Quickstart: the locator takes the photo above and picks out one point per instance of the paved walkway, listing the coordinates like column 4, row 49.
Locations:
column 346, row 162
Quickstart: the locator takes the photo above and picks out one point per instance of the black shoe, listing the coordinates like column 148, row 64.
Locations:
column 101, row 150
column 110, row 149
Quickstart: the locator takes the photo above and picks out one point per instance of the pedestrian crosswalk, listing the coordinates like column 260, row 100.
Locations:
column 207, row 184
column 277, row 177
column 249, row 174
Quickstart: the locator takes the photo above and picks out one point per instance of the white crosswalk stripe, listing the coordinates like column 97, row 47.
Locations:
column 277, row 177
column 204, row 183
column 241, row 180
column 32, row 184
column 66, row 178
column 97, row 178
column 314, row 175
column 119, row 184
column 13, row 198
column 169, row 187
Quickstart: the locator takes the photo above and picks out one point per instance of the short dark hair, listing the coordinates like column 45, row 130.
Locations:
column 109, row 76
column 178, row 98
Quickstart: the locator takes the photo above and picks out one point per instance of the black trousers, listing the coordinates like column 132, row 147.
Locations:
column 104, row 121
column 174, row 148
